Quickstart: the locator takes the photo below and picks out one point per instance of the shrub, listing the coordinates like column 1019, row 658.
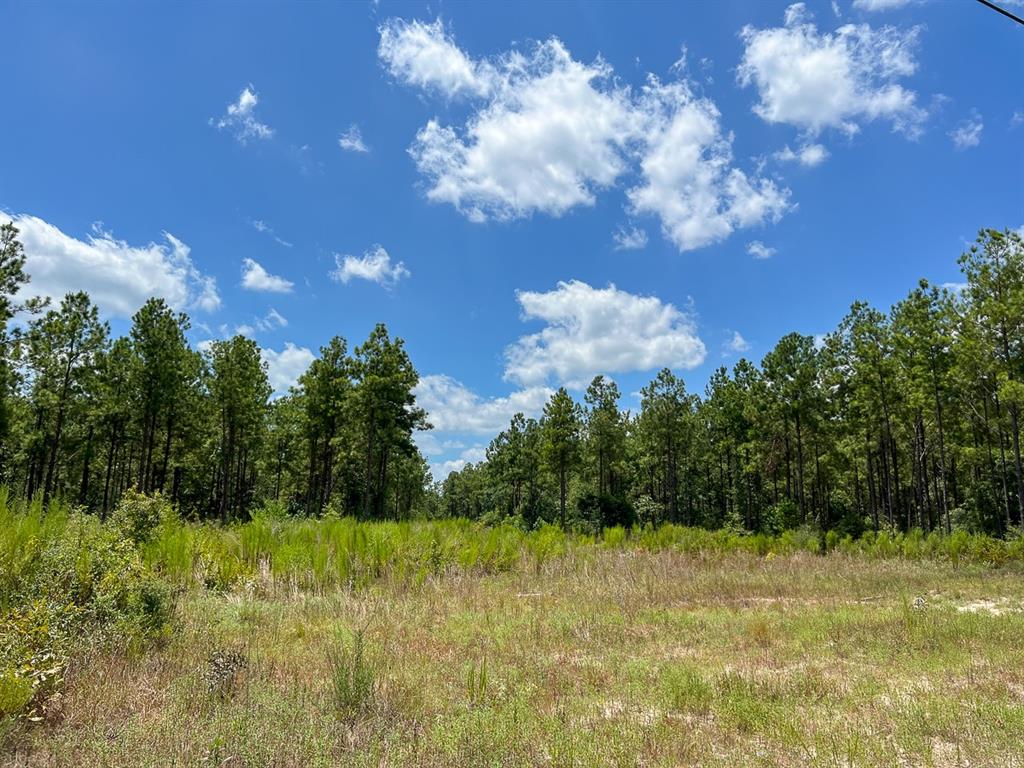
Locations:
column 15, row 693
column 353, row 678
column 137, row 516
column 83, row 584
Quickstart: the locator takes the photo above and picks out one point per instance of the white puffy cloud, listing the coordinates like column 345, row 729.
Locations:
column 967, row 132
column 285, row 366
column 440, row 470
column 374, row 265
column 546, row 133
column 352, row 140
column 688, row 178
column 759, row 250
column 240, row 118
column 256, row 278
column 425, row 55
column 599, row 330
column 119, row 277
column 737, row 343
column 453, row 407
column 632, row 239
column 837, row 79
column 550, row 134
column 808, row 155
column 880, row 5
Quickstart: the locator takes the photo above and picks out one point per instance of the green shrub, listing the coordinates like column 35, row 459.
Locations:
column 137, row 516
column 15, row 693
column 353, row 678
column 69, row 582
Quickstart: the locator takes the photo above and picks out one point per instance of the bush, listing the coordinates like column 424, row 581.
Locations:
column 353, row 678
column 83, row 584
column 137, row 516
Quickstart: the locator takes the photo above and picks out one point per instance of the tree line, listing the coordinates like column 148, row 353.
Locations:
column 84, row 417
column 899, row 420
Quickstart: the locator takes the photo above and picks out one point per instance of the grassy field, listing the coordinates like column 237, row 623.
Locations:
column 453, row 645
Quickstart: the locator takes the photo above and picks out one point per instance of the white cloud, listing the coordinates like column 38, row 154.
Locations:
column 880, row 5
column 968, row 131
column 759, row 250
column 256, row 278
column 599, row 330
column 430, row 445
column 273, row 319
column 425, row 55
column 472, row 455
column 834, row 79
column 549, row 136
column 374, row 265
column 240, row 118
column 808, row 155
column 546, row 133
column 453, row 407
column 632, row 239
column 261, row 226
column 119, row 277
column 737, row 343
column 285, row 367
column 352, row 140
column 688, row 179
column 1017, row 118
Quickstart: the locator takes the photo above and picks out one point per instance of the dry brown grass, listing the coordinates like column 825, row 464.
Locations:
column 617, row 658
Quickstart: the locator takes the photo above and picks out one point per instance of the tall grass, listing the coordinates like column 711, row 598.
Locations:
column 330, row 553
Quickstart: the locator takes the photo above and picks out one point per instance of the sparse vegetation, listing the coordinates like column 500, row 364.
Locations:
column 337, row 642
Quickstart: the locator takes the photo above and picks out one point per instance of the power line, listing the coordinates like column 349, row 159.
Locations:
column 1003, row 11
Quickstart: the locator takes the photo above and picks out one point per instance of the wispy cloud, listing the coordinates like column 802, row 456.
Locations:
column 240, row 118
column 352, row 140
column 759, row 250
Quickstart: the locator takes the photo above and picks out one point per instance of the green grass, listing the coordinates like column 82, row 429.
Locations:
column 336, row 642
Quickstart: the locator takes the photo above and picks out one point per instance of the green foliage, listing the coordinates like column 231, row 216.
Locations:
column 68, row 582
column 138, row 516
column 354, row 677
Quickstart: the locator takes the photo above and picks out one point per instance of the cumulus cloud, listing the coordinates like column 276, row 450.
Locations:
column 240, row 118
column 759, row 250
column 599, row 330
column 119, row 277
column 808, row 155
column 967, row 132
column 737, row 343
column 453, row 407
column 546, row 133
column 839, row 79
column 425, row 55
column 549, row 136
column 688, row 178
column 285, row 366
column 374, row 265
column 440, row 470
column 352, row 140
column 256, row 278
column 632, row 239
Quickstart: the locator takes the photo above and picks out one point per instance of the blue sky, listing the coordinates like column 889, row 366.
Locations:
column 527, row 193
